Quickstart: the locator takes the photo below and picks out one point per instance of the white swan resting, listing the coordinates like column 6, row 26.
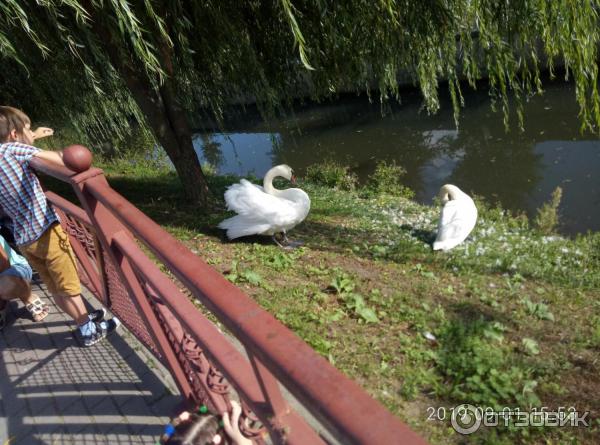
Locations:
column 457, row 219
column 265, row 210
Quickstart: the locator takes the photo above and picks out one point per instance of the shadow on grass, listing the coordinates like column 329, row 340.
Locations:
column 363, row 243
column 161, row 197
column 425, row 236
column 466, row 312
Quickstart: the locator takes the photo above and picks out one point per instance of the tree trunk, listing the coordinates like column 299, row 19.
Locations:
column 163, row 113
column 175, row 137
column 189, row 171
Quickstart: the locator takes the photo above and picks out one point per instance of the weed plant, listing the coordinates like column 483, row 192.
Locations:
column 546, row 220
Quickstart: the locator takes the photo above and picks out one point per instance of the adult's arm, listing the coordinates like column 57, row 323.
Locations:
column 42, row 132
column 4, row 261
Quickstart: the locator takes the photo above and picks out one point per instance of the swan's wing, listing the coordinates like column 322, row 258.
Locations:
column 250, row 200
column 448, row 214
column 239, row 225
column 237, row 196
column 299, row 197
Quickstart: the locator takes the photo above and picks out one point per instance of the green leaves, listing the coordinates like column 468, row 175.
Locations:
column 251, row 277
column 298, row 37
column 213, row 53
column 539, row 310
column 279, row 261
column 494, row 331
column 246, row 275
column 530, row 346
column 343, row 286
column 357, row 303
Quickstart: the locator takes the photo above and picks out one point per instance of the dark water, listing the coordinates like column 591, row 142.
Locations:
column 518, row 169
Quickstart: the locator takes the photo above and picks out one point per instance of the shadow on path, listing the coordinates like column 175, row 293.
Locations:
column 55, row 392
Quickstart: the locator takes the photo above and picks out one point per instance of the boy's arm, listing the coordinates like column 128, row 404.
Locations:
column 52, row 156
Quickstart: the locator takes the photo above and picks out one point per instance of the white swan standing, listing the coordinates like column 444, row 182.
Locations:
column 265, row 210
column 457, row 219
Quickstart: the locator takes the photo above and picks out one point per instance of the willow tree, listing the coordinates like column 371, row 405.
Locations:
column 102, row 64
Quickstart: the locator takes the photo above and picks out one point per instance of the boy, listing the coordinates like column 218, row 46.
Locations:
column 35, row 225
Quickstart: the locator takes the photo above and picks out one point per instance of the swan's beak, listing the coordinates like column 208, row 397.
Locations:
column 293, row 179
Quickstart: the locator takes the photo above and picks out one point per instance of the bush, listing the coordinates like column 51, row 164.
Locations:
column 493, row 212
column 546, row 220
column 331, row 174
column 386, row 180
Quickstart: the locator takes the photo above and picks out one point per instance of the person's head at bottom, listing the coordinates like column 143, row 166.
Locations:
column 196, row 430
column 203, row 428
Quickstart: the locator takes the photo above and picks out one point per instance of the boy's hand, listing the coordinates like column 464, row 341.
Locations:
column 42, row 132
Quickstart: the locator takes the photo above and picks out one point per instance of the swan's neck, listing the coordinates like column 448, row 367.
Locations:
column 449, row 192
column 268, row 182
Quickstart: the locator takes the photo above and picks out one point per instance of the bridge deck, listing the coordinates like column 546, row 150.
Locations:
column 52, row 391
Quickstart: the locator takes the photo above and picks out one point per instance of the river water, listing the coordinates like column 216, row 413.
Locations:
column 517, row 169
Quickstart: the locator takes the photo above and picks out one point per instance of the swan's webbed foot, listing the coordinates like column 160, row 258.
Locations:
column 291, row 244
column 294, row 244
column 285, row 242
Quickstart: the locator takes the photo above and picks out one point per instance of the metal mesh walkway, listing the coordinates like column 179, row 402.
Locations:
column 52, row 391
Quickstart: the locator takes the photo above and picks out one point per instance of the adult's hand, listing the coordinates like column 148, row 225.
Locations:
column 232, row 426
column 42, row 132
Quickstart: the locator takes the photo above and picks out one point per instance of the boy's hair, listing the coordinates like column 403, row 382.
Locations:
column 11, row 119
column 198, row 430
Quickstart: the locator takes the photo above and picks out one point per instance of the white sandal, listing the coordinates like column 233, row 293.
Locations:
column 38, row 309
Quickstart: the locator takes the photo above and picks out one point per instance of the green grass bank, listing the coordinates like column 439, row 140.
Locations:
column 509, row 319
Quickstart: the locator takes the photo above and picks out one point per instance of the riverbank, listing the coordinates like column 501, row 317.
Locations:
column 510, row 318
column 518, row 169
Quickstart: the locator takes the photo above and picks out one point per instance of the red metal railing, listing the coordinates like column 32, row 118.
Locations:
column 107, row 234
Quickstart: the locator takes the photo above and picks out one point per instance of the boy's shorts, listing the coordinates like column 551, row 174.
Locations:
column 18, row 270
column 51, row 255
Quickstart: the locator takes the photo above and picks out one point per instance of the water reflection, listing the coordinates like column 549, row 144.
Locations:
column 576, row 165
column 499, row 169
column 237, row 153
column 519, row 170
column 211, row 150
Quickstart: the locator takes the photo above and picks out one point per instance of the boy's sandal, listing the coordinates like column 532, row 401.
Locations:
column 38, row 309
column 3, row 315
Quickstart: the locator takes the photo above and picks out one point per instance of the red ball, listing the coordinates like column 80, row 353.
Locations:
column 77, row 158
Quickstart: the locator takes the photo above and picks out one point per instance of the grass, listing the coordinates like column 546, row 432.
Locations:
column 510, row 318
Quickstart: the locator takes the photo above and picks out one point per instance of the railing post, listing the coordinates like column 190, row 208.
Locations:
column 79, row 159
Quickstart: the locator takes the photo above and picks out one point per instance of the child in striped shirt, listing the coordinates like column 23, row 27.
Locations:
column 35, row 225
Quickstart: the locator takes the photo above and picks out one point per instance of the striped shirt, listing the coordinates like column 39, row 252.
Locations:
column 21, row 196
